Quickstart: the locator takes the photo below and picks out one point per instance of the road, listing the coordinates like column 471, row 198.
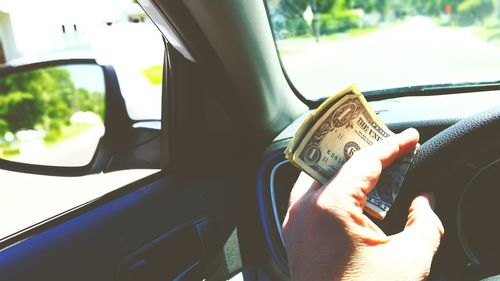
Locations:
column 76, row 151
column 414, row 52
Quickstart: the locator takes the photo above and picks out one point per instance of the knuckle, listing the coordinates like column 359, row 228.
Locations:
column 294, row 210
column 325, row 204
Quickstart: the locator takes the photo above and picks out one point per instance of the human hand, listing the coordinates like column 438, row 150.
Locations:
column 328, row 237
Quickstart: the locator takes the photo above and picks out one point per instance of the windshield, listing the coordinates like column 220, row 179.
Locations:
column 326, row 45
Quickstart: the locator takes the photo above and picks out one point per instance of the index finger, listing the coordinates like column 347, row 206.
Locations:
column 303, row 184
column 363, row 170
column 395, row 146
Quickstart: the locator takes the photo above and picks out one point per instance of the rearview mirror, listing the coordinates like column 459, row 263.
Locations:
column 52, row 115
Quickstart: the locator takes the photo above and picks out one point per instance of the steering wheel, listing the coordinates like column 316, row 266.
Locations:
column 436, row 164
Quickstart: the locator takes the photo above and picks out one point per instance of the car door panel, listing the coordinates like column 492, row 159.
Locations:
column 168, row 217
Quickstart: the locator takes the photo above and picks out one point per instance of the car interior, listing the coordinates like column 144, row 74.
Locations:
column 215, row 209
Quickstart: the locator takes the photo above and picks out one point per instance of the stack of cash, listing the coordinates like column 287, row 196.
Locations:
column 343, row 124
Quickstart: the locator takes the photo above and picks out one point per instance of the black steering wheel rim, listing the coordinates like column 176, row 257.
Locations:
column 440, row 157
column 444, row 151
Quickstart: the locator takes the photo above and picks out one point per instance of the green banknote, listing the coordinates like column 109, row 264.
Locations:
column 342, row 125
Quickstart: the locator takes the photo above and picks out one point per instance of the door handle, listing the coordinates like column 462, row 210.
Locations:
column 176, row 255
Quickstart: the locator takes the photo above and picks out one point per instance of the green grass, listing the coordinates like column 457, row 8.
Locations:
column 351, row 33
column 489, row 30
column 355, row 32
column 362, row 31
column 489, row 34
column 301, row 41
column 330, row 37
column 8, row 152
column 301, row 36
column 304, row 40
column 65, row 133
column 154, row 74
column 290, row 52
column 348, row 34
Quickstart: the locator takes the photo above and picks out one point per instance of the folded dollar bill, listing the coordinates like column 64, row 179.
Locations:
column 343, row 124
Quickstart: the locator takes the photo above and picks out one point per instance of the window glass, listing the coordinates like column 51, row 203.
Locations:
column 326, row 45
column 113, row 32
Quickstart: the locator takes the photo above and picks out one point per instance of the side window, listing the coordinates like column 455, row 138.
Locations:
column 54, row 115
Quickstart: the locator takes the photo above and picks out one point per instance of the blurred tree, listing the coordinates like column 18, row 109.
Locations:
column 471, row 11
column 19, row 110
column 294, row 9
column 318, row 7
column 367, row 5
column 370, row 6
column 452, row 3
column 381, row 7
column 91, row 101
column 427, row 7
column 38, row 97
column 4, row 127
column 45, row 98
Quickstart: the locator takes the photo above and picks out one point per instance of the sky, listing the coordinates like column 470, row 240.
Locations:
column 89, row 77
column 75, row 10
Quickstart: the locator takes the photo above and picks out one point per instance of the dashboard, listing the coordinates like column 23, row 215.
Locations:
column 471, row 247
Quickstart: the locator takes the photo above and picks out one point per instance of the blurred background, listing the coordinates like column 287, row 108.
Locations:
column 325, row 45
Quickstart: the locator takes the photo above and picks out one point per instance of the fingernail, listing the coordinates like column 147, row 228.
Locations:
column 410, row 132
column 430, row 197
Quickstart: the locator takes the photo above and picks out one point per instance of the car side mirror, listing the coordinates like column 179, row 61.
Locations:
column 68, row 118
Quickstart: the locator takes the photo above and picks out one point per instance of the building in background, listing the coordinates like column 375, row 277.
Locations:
column 8, row 47
column 31, row 28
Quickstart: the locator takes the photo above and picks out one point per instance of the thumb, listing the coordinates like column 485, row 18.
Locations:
column 423, row 227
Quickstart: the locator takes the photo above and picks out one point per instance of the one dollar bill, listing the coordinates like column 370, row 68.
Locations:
column 342, row 125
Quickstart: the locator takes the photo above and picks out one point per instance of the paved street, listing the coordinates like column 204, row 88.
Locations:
column 415, row 52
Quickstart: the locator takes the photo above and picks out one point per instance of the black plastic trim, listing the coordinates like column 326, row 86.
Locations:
column 426, row 90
